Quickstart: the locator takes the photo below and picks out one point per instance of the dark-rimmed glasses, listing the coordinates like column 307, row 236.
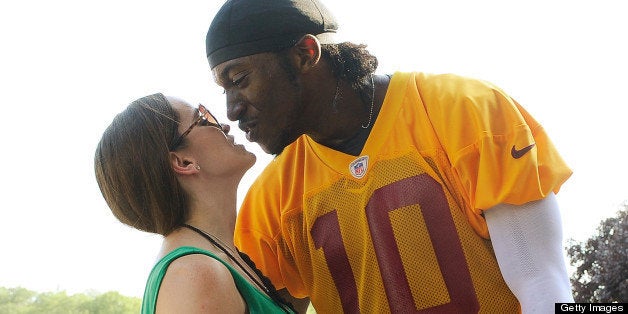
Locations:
column 205, row 118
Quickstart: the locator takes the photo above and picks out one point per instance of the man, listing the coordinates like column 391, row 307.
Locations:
column 402, row 193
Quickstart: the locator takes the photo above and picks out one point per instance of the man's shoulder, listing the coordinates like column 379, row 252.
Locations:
column 441, row 79
column 288, row 161
column 446, row 86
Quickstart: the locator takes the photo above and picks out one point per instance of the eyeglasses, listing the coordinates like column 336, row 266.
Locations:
column 205, row 118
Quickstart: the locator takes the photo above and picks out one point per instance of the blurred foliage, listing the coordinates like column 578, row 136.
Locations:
column 23, row 301
column 602, row 262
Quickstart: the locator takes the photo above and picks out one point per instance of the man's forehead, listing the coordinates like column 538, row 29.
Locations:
column 221, row 72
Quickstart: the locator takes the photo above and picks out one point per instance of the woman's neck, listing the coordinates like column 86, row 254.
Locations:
column 214, row 211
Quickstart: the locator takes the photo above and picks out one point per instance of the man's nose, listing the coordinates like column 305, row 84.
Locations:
column 235, row 107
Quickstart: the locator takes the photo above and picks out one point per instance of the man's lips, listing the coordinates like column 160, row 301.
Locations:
column 249, row 129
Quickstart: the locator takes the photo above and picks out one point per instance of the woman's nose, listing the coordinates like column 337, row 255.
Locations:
column 225, row 128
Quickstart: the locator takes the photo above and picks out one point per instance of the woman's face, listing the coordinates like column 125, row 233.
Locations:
column 214, row 149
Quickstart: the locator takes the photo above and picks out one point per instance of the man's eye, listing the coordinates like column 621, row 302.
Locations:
column 238, row 79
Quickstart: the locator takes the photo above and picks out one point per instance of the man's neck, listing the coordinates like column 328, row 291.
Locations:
column 358, row 131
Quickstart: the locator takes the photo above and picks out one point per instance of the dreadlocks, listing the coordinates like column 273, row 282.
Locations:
column 352, row 63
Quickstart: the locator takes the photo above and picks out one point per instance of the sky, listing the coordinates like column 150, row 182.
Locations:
column 67, row 67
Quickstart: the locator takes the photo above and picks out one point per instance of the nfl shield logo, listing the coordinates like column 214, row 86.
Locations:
column 359, row 166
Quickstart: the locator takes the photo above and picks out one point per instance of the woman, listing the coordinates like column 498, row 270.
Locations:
column 168, row 168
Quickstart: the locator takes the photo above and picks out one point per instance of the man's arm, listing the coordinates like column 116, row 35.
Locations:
column 527, row 240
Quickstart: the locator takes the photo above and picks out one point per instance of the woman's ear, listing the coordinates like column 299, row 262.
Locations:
column 182, row 165
column 308, row 49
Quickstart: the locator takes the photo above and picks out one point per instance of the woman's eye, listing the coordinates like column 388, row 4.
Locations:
column 204, row 122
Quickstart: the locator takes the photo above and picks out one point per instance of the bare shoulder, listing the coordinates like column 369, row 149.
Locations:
column 197, row 283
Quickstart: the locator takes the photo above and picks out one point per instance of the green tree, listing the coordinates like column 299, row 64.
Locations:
column 58, row 303
column 113, row 302
column 601, row 269
column 23, row 301
column 15, row 300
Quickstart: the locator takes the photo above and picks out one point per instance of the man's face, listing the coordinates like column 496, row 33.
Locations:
column 264, row 94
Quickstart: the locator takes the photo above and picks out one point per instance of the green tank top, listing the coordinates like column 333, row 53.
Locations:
column 256, row 301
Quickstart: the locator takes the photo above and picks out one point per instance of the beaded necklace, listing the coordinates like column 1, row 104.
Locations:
column 217, row 242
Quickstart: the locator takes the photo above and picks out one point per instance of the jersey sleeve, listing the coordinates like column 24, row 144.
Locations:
column 258, row 230
column 256, row 225
column 499, row 152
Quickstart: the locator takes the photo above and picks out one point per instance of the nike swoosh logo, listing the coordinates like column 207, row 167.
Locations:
column 518, row 153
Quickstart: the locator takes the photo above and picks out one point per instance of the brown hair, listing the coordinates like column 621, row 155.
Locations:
column 133, row 170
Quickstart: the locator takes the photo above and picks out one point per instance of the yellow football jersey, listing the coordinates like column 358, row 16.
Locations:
column 399, row 229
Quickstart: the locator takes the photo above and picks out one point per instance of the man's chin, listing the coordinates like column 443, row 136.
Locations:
column 271, row 150
column 267, row 149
